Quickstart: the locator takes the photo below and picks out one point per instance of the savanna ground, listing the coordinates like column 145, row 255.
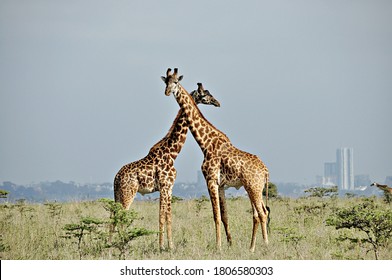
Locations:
column 298, row 230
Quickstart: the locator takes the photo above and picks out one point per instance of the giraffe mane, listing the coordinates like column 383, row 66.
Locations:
column 170, row 130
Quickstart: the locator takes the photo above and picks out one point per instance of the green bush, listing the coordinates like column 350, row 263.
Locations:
column 368, row 218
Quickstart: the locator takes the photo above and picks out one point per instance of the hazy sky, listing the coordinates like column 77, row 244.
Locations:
column 81, row 94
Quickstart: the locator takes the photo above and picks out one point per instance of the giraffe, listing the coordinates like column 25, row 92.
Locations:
column 224, row 165
column 156, row 171
column 385, row 188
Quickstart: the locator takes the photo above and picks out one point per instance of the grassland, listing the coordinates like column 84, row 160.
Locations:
column 298, row 230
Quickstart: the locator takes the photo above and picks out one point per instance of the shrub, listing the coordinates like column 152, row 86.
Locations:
column 120, row 225
column 373, row 221
column 3, row 194
column 87, row 226
column 322, row 192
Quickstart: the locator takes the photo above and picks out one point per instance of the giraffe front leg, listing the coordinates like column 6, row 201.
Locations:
column 214, row 196
column 169, row 220
column 162, row 218
column 165, row 216
column 224, row 216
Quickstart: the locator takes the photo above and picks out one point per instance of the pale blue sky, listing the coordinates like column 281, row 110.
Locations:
column 81, row 94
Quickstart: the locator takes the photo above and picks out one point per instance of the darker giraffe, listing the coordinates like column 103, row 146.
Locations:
column 156, row 171
column 223, row 165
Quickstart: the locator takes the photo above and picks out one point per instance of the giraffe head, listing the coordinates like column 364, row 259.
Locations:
column 203, row 96
column 172, row 82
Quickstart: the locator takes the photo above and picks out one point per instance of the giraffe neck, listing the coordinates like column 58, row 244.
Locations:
column 206, row 135
column 383, row 187
column 174, row 140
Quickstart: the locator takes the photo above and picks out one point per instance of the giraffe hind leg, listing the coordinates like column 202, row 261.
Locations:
column 256, row 222
column 125, row 192
column 260, row 216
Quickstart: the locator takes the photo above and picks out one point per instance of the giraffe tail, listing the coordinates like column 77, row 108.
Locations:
column 266, row 202
column 266, row 190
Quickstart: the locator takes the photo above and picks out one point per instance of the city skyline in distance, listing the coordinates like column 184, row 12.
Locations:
column 341, row 172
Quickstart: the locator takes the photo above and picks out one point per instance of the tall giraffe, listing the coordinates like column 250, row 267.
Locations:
column 156, row 171
column 385, row 188
column 223, row 165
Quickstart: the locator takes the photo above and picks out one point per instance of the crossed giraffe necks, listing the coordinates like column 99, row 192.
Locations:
column 156, row 171
column 206, row 135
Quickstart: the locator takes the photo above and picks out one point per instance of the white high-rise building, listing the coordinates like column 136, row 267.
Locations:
column 345, row 168
column 330, row 174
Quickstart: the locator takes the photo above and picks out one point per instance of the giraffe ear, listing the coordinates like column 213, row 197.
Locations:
column 180, row 78
column 163, row 79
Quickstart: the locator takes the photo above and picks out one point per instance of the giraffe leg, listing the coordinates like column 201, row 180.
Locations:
column 263, row 215
column 127, row 201
column 256, row 222
column 264, row 228
column 162, row 217
column 260, row 215
column 125, row 192
column 214, row 196
column 165, row 216
column 169, row 220
column 224, row 216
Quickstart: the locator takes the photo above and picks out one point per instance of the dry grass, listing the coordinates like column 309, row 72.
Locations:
column 298, row 231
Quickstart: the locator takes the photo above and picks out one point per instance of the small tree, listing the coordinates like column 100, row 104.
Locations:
column 93, row 234
column 272, row 190
column 22, row 207
column 3, row 194
column 120, row 226
column 290, row 236
column 176, row 199
column 199, row 203
column 87, row 226
column 322, row 192
column 375, row 222
column 55, row 211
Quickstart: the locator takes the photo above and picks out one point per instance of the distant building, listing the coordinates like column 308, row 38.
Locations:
column 341, row 172
column 330, row 174
column 345, row 168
